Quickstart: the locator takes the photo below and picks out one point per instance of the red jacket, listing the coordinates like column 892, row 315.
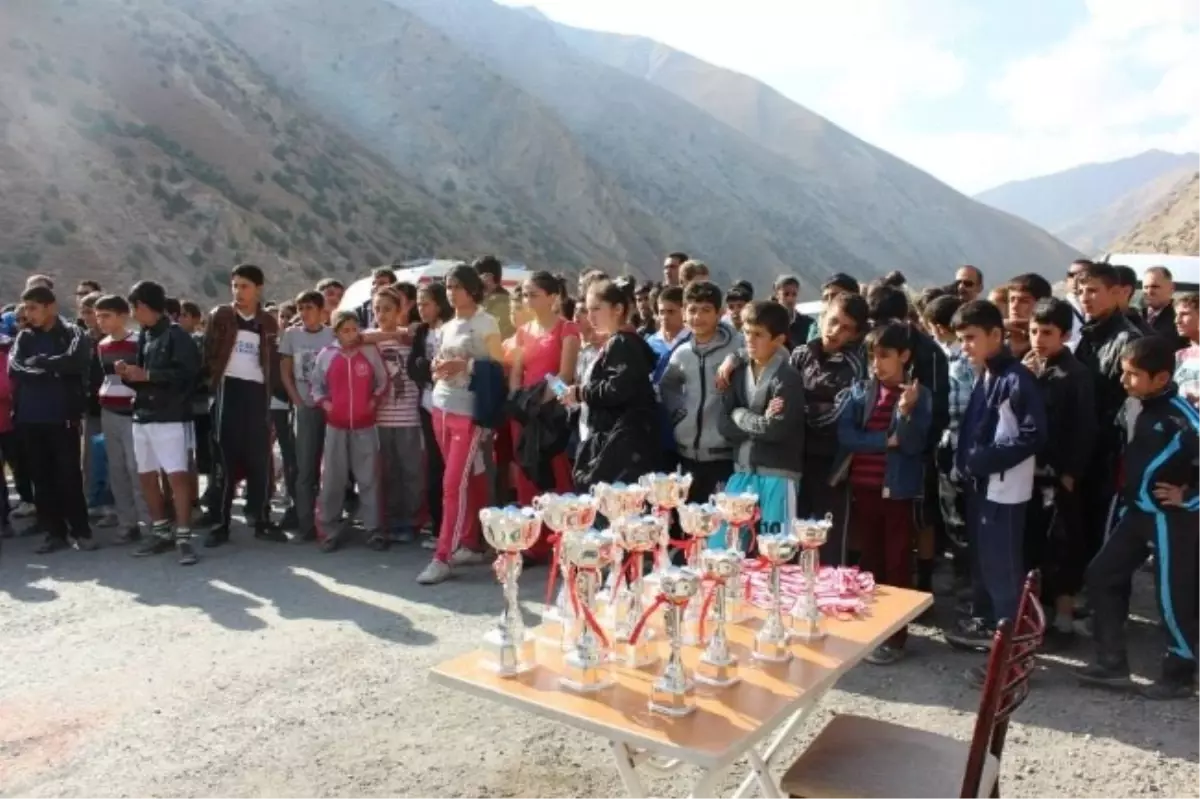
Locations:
column 348, row 385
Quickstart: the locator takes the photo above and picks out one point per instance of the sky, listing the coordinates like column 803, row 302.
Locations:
column 977, row 93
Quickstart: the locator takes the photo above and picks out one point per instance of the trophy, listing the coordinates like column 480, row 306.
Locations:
column 698, row 522
column 771, row 641
column 585, row 666
column 672, row 692
column 615, row 501
column 510, row 531
column 635, row 536
column 740, row 510
column 717, row 666
column 665, row 490
column 563, row 513
column 806, row 616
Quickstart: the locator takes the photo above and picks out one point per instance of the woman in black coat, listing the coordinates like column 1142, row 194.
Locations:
column 434, row 309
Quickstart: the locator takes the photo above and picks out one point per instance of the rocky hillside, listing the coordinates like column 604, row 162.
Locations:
column 1171, row 227
column 137, row 141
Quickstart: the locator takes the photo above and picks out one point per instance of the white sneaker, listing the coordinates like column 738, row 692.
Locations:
column 428, row 542
column 23, row 510
column 436, row 572
column 466, row 557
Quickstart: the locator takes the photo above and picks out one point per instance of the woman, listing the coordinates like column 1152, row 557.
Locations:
column 546, row 345
column 470, row 347
column 434, row 310
column 617, row 398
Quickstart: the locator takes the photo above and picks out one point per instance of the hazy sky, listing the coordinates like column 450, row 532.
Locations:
column 977, row 93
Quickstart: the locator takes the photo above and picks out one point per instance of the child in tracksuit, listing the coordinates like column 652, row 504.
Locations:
column 1161, row 504
column 348, row 382
column 1003, row 429
column 882, row 433
column 762, row 416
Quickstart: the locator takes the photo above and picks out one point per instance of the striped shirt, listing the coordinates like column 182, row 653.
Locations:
column 867, row 469
column 115, row 395
column 401, row 397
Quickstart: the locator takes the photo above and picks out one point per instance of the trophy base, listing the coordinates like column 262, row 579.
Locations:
column 672, row 703
column 721, row 675
column 638, row 655
column 772, row 651
column 807, row 632
column 508, row 658
column 585, row 678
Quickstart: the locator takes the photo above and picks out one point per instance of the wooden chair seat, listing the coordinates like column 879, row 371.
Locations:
column 855, row 756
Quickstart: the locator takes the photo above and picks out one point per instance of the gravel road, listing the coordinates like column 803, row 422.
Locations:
column 272, row 670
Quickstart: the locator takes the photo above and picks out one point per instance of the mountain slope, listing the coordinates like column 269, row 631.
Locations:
column 144, row 144
column 870, row 186
column 1092, row 233
column 1171, row 227
column 1061, row 202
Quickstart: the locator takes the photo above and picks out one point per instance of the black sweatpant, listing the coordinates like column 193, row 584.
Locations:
column 1110, row 580
column 281, row 421
column 13, row 453
column 1054, row 542
column 437, row 467
column 57, row 474
column 242, row 447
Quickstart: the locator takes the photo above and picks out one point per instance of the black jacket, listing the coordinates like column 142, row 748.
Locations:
column 799, row 330
column 1070, row 401
column 172, row 363
column 1100, row 345
column 622, row 413
column 1163, row 450
column 1139, row 321
column 1164, row 325
column 827, row 381
column 545, row 432
column 932, row 370
column 49, row 372
column 419, row 369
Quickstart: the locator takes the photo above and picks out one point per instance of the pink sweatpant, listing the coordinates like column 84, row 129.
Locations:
column 464, row 483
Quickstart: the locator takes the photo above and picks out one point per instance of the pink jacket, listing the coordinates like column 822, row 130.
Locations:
column 348, row 385
column 6, row 394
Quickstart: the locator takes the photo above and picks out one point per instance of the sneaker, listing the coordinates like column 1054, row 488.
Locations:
column 1105, row 676
column 87, row 544
column 972, row 634
column 1162, row 690
column 436, row 572
column 428, row 542
column 23, row 510
column 885, row 655
column 331, row 543
column 216, row 537
column 51, row 544
column 187, row 553
column 269, row 531
column 290, row 520
column 130, row 536
column 402, row 534
column 378, row 542
column 466, row 557
column 107, row 519
column 156, row 545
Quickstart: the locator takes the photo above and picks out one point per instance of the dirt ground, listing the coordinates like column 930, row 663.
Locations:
column 273, row 670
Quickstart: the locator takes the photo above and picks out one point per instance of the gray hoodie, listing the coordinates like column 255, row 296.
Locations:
column 689, row 394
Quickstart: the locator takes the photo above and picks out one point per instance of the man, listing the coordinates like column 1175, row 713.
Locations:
column 383, row 276
column 496, row 300
column 968, row 281
column 240, row 341
column 645, row 309
column 164, row 376
column 1074, row 272
column 332, row 290
column 1127, row 280
column 671, row 268
column 47, row 365
column 1158, row 291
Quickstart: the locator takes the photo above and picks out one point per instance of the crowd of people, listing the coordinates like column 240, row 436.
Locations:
column 1004, row 431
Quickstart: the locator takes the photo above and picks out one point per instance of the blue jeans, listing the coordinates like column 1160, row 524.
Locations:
column 98, row 493
column 997, row 537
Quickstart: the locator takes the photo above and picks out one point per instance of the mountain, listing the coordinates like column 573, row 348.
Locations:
column 1094, row 232
column 1171, row 227
column 1079, row 205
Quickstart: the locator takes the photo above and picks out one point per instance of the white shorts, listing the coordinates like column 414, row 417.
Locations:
column 162, row 446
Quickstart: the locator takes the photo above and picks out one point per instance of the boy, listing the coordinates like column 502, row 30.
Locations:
column 1003, row 428
column 1187, row 359
column 1054, row 533
column 939, row 320
column 828, row 367
column 1161, row 504
column 1024, row 292
column 787, row 293
column 298, row 350
column 735, row 300
column 348, row 380
column 331, row 290
column 191, row 319
column 164, row 375
column 762, row 416
column 97, row 490
column 689, row 392
column 881, row 433
column 116, row 415
column 671, row 334
column 692, row 270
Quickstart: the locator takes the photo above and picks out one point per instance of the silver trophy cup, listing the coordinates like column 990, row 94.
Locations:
column 811, row 534
column 673, row 692
column 665, row 491
column 718, row 666
column 699, row 522
column 771, row 641
column 510, row 531
column 586, row 665
column 739, row 510
column 615, row 501
column 563, row 514
column 636, row 535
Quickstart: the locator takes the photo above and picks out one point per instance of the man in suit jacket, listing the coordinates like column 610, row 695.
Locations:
column 1159, row 313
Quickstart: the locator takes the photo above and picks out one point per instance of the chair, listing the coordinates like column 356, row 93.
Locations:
column 856, row 756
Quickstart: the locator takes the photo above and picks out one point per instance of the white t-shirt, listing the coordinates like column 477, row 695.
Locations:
column 245, row 362
column 462, row 338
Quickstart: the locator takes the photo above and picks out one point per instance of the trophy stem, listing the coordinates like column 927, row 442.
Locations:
column 510, row 647
column 771, row 642
column 809, row 627
column 718, row 666
column 671, row 693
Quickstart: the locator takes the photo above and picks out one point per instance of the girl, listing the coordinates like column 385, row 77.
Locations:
column 546, row 345
column 617, row 399
column 398, row 421
column 470, row 347
column 433, row 310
